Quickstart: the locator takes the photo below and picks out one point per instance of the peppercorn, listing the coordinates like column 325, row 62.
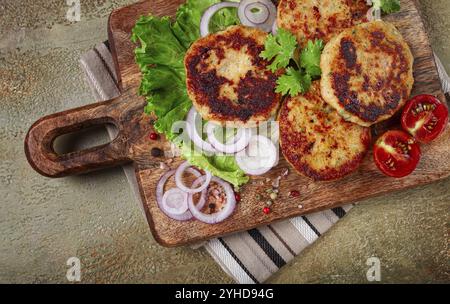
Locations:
column 237, row 196
column 153, row 136
column 294, row 193
column 156, row 152
column 266, row 210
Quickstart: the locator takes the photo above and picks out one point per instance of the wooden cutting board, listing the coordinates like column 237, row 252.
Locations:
column 133, row 145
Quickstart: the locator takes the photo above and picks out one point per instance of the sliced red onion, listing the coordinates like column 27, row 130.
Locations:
column 258, row 13
column 174, row 201
column 193, row 132
column 373, row 14
column 179, row 173
column 259, row 157
column 275, row 28
column 160, row 191
column 218, row 216
column 233, row 145
column 209, row 13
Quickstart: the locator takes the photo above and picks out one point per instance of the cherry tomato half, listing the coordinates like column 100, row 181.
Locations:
column 396, row 153
column 425, row 117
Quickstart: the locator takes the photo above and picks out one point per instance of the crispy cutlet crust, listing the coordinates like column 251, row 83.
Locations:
column 228, row 81
column 320, row 19
column 318, row 142
column 367, row 72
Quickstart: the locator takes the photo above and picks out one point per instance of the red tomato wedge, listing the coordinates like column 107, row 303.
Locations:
column 396, row 154
column 425, row 117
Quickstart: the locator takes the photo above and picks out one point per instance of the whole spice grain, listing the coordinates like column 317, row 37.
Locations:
column 156, row 152
column 294, row 193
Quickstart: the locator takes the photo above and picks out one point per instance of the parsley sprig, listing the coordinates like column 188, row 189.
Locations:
column 280, row 48
column 300, row 70
column 293, row 82
column 310, row 58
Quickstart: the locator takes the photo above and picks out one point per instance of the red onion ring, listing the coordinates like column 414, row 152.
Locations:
column 160, row 191
column 245, row 158
column 264, row 19
column 218, row 216
column 175, row 196
column 259, row 17
column 179, row 173
column 193, row 132
column 370, row 16
column 235, row 144
column 209, row 13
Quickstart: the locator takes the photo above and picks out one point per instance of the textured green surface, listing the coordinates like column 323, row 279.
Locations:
column 95, row 217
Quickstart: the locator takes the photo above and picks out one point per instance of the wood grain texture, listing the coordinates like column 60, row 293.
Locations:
column 134, row 126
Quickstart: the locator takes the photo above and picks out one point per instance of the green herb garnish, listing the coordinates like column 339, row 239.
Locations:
column 280, row 49
column 387, row 6
column 299, row 72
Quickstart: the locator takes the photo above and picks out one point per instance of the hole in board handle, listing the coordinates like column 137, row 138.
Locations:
column 90, row 137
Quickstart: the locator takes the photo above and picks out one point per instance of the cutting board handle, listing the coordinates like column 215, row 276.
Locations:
column 40, row 138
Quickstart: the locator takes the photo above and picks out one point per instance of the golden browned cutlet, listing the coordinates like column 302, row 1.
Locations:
column 227, row 80
column 318, row 142
column 367, row 72
column 320, row 19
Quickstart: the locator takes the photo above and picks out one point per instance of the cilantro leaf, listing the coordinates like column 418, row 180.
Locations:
column 387, row 6
column 280, row 48
column 293, row 82
column 310, row 58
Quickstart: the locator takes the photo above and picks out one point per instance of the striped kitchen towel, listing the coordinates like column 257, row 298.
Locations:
column 251, row 256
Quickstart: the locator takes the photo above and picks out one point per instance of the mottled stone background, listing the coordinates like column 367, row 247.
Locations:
column 95, row 217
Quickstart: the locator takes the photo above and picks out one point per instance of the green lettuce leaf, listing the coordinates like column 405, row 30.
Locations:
column 160, row 57
column 222, row 166
column 162, row 45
